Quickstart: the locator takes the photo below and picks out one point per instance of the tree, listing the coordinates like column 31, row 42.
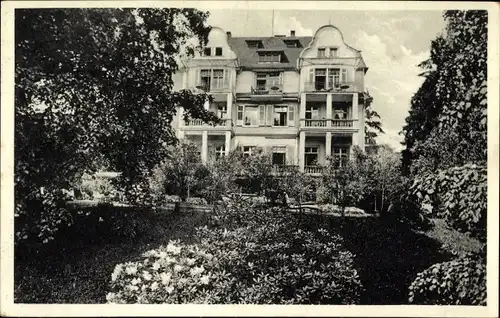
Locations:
column 386, row 174
column 94, row 85
column 182, row 172
column 222, row 177
column 345, row 180
column 451, row 105
column 294, row 184
column 373, row 126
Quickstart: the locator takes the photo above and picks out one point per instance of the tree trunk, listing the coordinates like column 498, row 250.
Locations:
column 382, row 201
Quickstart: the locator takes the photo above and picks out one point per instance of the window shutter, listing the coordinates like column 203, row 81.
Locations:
column 270, row 113
column 344, row 76
column 226, row 78
column 262, row 115
column 311, row 76
column 281, row 78
column 197, row 77
column 291, row 115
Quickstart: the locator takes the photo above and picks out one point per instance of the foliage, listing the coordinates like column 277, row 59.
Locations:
column 295, row 184
column 268, row 261
column 222, row 177
column 94, row 86
column 383, row 173
column 345, row 181
column 452, row 101
column 373, row 126
column 182, row 173
column 458, row 194
column 461, row 281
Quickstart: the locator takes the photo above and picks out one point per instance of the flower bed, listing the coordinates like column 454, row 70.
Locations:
column 265, row 262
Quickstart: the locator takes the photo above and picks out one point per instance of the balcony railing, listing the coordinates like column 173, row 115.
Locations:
column 225, row 122
column 334, row 123
column 315, row 122
column 321, row 86
column 267, row 89
column 341, row 123
column 281, row 169
column 313, row 169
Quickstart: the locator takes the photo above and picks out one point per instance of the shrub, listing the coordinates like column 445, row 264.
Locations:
column 271, row 262
column 460, row 282
column 457, row 194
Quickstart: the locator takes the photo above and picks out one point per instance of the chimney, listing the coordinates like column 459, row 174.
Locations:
column 292, row 33
column 228, row 33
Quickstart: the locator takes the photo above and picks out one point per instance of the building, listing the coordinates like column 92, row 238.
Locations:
column 299, row 97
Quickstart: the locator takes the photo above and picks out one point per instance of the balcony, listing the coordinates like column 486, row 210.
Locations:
column 282, row 169
column 313, row 170
column 323, row 87
column 213, row 87
column 328, row 124
column 268, row 89
column 199, row 125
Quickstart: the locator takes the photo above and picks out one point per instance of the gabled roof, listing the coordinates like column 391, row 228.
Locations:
column 249, row 57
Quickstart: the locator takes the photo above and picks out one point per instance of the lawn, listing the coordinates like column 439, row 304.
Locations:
column 388, row 255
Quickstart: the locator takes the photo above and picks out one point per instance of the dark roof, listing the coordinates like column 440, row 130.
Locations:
column 249, row 58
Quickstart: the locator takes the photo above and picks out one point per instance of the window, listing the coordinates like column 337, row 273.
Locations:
column 240, row 113
column 340, row 111
column 280, row 115
column 220, row 151
column 207, row 51
column 218, row 51
column 222, row 111
column 266, row 81
column 292, row 43
column 334, row 77
column 312, row 112
column 254, row 44
column 248, row 150
column 251, row 115
column 340, row 155
column 311, row 156
column 321, row 52
column 261, row 81
column 333, row 52
column 279, row 156
column 206, row 79
column 320, row 79
column 218, row 79
column 270, row 58
column 213, row 79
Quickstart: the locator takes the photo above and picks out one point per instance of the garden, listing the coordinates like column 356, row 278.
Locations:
column 381, row 228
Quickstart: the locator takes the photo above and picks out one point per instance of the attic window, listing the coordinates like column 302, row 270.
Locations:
column 254, row 44
column 292, row 43
column 207, row 51
column 270, row 58
column 218, row 51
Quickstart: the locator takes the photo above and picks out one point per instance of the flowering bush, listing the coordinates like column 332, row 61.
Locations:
column 459, row 282
column 272, row 262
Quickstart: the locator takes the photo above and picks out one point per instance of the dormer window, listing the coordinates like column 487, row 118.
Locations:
column 322, row 52
column 218, row 51
column 269, row 57
column 207, row 51
column 292, row 43
column 255, row 44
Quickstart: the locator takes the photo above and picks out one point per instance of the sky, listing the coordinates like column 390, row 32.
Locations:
column 393, row 43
